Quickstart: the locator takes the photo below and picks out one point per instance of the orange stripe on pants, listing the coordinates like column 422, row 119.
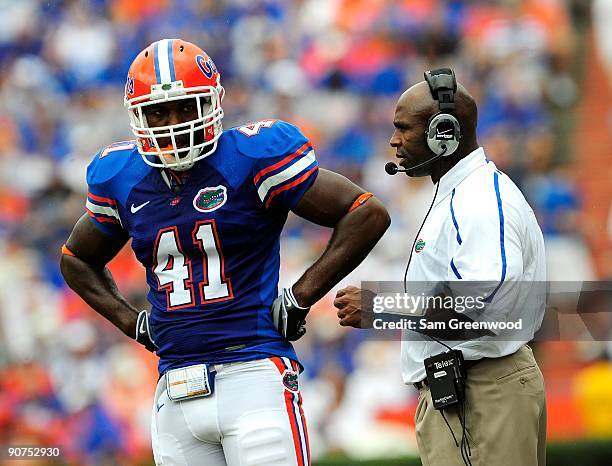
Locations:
column 292, row 421
column 297, row 369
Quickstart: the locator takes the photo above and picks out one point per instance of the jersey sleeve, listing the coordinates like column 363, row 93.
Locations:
column 288, row 168
column 101, row 206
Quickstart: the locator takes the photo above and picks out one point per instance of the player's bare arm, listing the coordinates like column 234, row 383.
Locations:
column 327, row 203
column 86, row 273
column 359, row 220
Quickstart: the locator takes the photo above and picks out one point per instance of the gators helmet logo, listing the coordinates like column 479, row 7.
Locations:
column 290, row 381
column 209, row 199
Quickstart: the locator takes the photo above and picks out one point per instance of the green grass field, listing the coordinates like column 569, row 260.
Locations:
column 584, row 453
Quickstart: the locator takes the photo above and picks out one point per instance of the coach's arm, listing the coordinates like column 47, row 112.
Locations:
column 86, row 273
column 327, row 203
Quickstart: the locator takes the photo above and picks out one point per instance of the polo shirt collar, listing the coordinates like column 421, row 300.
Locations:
column 460, row 171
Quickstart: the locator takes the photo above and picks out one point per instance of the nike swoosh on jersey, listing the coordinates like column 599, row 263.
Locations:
column 444, row 132
column 135, row 209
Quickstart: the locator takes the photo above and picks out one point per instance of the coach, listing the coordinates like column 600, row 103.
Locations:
column 479, row 228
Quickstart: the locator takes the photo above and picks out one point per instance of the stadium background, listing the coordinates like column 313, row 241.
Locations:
column 540, row 71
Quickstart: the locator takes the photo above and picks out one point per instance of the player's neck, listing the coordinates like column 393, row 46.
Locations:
column 176, row 179
column 179, row 175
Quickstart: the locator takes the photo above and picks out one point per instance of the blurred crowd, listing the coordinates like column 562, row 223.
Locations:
column 333, row 67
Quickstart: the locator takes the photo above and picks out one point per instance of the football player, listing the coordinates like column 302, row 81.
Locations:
column 204, row 209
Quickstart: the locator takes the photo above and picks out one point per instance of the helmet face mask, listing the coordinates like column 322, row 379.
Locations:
column 177, row 146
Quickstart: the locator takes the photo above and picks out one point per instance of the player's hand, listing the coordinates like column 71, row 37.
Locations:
column 355, row 307
column 143, row 332
column 288, row 316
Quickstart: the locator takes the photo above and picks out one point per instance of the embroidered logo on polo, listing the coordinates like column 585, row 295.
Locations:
column 210, row 198
column 290, row 381
column 419, row 246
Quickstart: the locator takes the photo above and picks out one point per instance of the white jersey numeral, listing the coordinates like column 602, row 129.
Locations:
column 215, row 286
column 254, row 128
column 174, row 272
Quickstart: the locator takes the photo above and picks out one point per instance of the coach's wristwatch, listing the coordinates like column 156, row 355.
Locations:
column 143, row 332
column 288, row 316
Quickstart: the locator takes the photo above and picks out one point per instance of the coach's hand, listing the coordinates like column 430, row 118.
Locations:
column 143, row 332
column 355, row 307
column 288, row 316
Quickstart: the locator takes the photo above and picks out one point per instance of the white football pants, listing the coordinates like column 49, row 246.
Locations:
column 253, row 418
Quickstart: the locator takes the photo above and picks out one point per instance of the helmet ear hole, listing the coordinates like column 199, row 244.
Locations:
column 147, row 54
column 181, row 48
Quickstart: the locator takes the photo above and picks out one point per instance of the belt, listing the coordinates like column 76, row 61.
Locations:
column 468, row 363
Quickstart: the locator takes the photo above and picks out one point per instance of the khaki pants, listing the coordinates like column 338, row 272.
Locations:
column 505, row 414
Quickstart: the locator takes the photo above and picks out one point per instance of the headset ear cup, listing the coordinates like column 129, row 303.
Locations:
column 443, row 134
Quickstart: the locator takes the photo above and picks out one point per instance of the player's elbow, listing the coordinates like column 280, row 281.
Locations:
column 74, row 271
column 379, row 219
column 67, row 268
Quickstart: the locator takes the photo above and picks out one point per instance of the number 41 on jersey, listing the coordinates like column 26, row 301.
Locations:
column 174, row 270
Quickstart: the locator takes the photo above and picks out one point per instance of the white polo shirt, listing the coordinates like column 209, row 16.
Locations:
column 480, row 228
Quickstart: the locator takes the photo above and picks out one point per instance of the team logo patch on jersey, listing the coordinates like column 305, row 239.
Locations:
column 209, row 199
column 290, row 381
column 419, row 246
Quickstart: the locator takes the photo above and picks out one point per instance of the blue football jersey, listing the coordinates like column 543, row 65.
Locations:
column 211, row 250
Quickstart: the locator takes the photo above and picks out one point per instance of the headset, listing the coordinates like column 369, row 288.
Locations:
column 443, row 129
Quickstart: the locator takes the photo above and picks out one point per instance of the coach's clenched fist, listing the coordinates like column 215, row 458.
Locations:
column 355, row 307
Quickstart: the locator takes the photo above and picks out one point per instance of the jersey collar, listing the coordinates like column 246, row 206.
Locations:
column 460, row 171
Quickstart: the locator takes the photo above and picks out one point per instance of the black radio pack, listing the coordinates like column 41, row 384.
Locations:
column 446, row 378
